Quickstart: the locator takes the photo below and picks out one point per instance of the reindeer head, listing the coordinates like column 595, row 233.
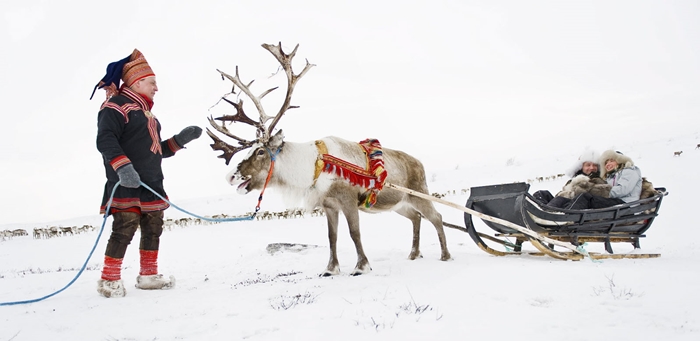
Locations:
column 251, row 173
column 256, row 164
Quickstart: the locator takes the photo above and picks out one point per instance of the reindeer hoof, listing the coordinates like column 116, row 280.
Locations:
column 445, row 256
column 330, row 272
column 358, row 272
column 414, row 255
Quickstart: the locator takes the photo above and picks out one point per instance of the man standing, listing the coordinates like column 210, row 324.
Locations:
column 128, row 137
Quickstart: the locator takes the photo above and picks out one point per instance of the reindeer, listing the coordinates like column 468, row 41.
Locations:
column 677, row 153
column 317, row 212
column 293, row 168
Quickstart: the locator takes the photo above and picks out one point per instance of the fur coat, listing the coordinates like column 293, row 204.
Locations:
column 582, row 184
column 626, row 179
column 600, row 187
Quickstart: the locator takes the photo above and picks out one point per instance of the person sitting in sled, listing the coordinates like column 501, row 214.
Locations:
column 624, row 178
column 128, row 137
column 585, row 177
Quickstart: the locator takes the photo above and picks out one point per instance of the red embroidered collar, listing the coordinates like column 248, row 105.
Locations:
column 144, row 102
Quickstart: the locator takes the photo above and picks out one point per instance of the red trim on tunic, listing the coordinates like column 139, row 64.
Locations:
column 119, row 162
column 131, row 204
column 153, row 131
column 138, row 98
column 148, row 101
column 122, row 109
column 136, row 210
column 172, row 144
column 146, row 104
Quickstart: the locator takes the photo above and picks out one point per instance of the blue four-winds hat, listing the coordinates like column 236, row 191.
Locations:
column 113, row 77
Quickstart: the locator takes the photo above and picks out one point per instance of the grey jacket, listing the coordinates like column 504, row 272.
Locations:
column 626, row 184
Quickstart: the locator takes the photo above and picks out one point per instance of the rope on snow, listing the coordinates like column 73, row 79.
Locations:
column 109, row 205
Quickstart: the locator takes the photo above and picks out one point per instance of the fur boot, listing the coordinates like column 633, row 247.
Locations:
column 111, row 288
column 154, row 282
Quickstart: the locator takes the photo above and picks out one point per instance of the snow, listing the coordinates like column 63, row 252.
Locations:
column 481, row 91
column 230, row 286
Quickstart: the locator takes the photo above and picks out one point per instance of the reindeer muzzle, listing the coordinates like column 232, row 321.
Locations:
column 243, row 187
column 241, row 182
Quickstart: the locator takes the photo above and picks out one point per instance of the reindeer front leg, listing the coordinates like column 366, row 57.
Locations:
column 352, row 215
column 333, row 267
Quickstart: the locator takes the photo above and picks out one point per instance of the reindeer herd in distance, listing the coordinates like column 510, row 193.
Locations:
column 678, row 153
column 46, row 232
column 291, row 213
column 168, row 223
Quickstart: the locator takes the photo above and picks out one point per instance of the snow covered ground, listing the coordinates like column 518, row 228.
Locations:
column 481, row 91
column 231, row 287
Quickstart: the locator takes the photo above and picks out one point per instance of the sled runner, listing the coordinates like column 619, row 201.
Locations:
column 624, row 223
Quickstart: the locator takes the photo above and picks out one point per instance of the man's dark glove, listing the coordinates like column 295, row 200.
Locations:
column 188, row 134
column 128, row 176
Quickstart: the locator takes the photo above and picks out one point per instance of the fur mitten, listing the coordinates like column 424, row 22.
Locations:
column 582, row 184
column 574, row 187
column 188, row 134
column 129, row 177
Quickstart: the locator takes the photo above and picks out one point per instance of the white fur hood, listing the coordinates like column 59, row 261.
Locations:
column 587, row 156
column 622, row 160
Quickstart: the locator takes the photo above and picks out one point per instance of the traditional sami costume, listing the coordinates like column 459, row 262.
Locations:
column 128, row 133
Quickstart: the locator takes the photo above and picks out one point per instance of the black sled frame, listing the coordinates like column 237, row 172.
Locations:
column 625, row 223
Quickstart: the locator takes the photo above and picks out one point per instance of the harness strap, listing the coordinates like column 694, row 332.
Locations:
column 370, row 177
column 323, row 158
column 269, row 175
column 322, row 149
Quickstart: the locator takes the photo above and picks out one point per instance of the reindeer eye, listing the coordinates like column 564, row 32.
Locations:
column 260, row 152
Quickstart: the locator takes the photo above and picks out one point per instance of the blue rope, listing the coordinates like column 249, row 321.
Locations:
column 250, row 217
column 109, row 205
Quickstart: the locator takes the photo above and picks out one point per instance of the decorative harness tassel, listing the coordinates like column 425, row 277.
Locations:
column 372, row 177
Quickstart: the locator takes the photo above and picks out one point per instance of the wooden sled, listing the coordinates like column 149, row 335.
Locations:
column 625, row 223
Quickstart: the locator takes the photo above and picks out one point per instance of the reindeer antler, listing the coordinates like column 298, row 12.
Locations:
column 246, row 90
column 263, row 133
column 240, row 116
column 228, row 149
column 286, row 61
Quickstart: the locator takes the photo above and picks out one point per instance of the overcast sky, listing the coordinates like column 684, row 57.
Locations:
column 489, row 79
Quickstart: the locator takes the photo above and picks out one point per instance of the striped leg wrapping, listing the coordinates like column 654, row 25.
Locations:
column 149, row 262
column 112, row 270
